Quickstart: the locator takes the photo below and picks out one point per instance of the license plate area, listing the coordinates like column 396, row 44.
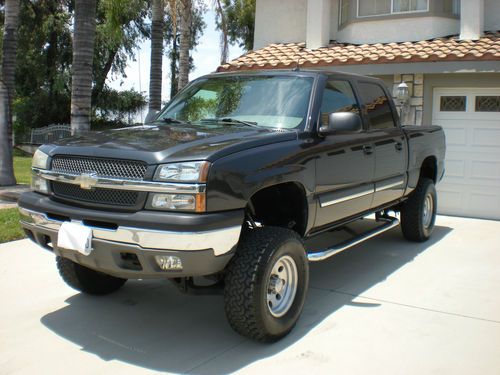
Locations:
column 75, row 236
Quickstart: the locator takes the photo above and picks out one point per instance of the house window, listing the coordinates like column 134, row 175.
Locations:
column 367, row 8
column 452, row 104
column 487, row 103
column 451, row 7
column 373, row 7
column 344, row 11
column 409, row 5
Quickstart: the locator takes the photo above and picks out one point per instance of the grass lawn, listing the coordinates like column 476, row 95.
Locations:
column 9, row 224
column 22, row 167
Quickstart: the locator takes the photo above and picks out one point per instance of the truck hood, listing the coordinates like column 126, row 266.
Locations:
column 167, row 143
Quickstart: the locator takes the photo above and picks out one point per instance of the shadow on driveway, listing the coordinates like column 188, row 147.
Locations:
column 150, row 324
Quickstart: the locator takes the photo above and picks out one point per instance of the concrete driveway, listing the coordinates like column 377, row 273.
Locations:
column 384, row 307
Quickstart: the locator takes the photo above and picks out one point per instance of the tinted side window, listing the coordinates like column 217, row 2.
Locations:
column 337, row 97
column 376, row 106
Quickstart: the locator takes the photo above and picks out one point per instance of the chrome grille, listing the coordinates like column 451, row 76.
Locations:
column 115, row 168
column 100, row 196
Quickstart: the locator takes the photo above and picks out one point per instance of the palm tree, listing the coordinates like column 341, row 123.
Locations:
column 83, row 54
column 155, row 72
column 184, row 42
column 224, row 43
column 7, row 91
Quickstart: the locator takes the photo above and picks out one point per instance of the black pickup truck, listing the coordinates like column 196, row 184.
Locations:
column 226, row 183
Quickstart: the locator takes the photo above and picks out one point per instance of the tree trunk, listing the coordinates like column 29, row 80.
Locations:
column 7, row 91
column 184, row 43
column 155, row 72
column 83, row 54
column 174, row 55
column 224, row 44
column 100, row 82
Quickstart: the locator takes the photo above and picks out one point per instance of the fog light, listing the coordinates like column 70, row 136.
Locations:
column 39, row 184
column 169, row 262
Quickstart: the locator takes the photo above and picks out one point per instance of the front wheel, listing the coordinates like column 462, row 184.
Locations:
column 418, row 213
column 86, row 280
column 266, row 283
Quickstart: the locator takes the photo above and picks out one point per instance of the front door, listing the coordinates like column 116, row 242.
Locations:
column 344, row 163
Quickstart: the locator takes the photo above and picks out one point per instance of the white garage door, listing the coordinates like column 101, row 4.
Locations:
column 471, row 121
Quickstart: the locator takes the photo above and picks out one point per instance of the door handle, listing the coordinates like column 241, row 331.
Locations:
column 368, row 149
column 399, row 146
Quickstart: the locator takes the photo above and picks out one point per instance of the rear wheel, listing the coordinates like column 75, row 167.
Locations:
column 266, row 283
column 86, row 280
column 418, row 213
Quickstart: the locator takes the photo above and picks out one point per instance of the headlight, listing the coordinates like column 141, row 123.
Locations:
column 40, row 160
column 194, row 171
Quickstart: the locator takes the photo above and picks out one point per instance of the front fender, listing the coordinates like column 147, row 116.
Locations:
column 234, row 179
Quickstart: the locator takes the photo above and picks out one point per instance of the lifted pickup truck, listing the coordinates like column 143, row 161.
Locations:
column 227, row 182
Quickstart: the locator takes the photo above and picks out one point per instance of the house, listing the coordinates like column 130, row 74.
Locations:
column 446, row 51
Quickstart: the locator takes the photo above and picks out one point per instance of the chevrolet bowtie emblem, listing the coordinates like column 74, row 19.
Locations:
column 87, row 181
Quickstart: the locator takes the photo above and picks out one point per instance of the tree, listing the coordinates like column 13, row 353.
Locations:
column 83, row 53
column 184, row 42
column 120, row 27
column 155, row 72
column 240, row 21
column 172, row 40
column 221, row 20
column 43, row 65
column 9, row 45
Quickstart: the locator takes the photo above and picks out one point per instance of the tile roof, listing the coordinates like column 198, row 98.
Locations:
column 284, row 56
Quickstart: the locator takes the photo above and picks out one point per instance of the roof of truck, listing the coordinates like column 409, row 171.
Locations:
column 290, row 72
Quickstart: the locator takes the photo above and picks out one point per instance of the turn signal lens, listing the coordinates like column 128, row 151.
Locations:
column 174, row 202
column 39, row 184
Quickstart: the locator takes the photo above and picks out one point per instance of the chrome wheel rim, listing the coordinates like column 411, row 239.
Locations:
column 282, row 286
column 428, row 211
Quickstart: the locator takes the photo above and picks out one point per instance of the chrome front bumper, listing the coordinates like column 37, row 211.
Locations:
column 221, row 241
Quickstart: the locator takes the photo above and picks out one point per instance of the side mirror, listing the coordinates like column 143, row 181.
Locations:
column 342, row 122
column 150, row 116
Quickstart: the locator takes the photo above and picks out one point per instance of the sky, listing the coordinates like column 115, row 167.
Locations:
column 206, row 59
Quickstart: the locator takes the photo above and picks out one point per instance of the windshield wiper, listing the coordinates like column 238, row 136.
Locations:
column 232, row 121
column 171, row 120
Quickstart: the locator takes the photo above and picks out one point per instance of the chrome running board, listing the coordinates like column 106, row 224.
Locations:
column 390, row 222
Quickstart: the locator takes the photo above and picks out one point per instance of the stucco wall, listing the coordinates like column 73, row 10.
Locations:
column 431, row 81
column 491, row 15
column 280, row 21
column 397, row 30
column 284, row 21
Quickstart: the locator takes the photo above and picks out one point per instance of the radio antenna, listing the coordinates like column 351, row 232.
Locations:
column 297, row 65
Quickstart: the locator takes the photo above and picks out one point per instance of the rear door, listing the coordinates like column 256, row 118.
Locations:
column 388, row 142
column 344, row 164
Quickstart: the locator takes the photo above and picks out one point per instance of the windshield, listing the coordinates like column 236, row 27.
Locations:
column 269, row 101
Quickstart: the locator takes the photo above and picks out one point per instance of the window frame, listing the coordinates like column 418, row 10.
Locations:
column 391, row 10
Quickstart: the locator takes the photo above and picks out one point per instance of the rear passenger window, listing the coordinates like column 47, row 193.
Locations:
column 376, row 106
column 337, row 97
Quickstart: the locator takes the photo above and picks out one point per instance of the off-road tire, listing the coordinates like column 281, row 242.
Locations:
column 246, row 283
column 412, row 212
column 86, row 280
